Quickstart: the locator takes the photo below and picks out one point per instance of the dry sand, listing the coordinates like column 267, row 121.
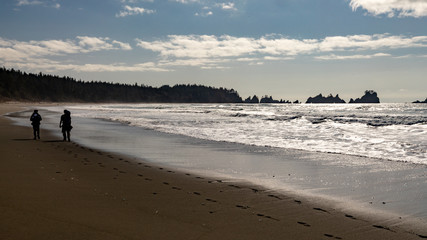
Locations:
column 51, row 189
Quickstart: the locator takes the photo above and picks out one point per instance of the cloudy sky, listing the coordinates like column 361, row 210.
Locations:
column 290, row 49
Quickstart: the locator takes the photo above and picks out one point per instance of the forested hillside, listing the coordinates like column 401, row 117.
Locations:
column 21, row 86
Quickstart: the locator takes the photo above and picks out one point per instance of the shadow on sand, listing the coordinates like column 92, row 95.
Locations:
column 31, row 139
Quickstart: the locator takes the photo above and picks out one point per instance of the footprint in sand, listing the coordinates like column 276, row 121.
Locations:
column 234, row 186
column 274, row 196
column 331, row 236
column 321, row 210
column 350, row 216
column 304, row 224
column 211, row 200
column 242, row 207
column 266, row 216
column 382, row 227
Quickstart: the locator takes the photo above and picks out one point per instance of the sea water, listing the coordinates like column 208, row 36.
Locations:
column 396, row 132
column 362, row 156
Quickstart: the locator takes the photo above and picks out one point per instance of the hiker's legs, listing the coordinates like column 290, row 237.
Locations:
column 36, row 132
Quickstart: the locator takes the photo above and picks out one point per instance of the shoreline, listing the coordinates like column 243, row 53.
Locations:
column 65, row 190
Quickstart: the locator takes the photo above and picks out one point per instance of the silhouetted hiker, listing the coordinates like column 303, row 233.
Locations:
column 65, row 123
column 35, row 121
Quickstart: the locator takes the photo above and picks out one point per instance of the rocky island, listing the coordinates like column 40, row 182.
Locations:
column 321, row 99
column 418, row 101
column 369, row 97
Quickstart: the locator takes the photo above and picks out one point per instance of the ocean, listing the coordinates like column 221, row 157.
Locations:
column 364, row 157
column 396, row 132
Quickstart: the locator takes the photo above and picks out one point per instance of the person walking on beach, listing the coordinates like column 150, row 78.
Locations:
column 65, row 124
column 35, row 121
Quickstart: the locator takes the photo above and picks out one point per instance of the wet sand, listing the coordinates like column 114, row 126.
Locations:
column 61, row 190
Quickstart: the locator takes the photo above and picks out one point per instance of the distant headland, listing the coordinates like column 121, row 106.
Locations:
column 16, row 85
column 20, row 86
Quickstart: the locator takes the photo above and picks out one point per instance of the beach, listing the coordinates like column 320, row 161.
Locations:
column 65, row 190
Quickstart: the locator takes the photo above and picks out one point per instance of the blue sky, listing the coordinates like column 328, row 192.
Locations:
column 290, row 49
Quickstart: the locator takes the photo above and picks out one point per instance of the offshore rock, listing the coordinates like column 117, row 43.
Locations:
column 321, row 99
column 369, row 97
column 418, row 101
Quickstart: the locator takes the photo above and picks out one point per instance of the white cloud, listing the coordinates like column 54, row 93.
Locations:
column 227, row 6
column 129, row 11
column 26, row 2
column 347, row 57
column 187, row 1
column 392, row 8
column 285, row 46
column 201, row 46
column 142, row 67
column 270, row 58
column 204, row 14
column 45, row 3
column 367, row 42
column 128, row 1
column 55, row 66
column 208, row 51
column 35, row 55
column 207, row 46
column 122, row 45
column 90, row 44
column 13, row 50
column 197, row 50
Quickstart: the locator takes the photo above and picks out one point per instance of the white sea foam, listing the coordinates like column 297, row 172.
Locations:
column 395, row 132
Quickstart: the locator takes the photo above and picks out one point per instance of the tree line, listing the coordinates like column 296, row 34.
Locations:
column 21, row 86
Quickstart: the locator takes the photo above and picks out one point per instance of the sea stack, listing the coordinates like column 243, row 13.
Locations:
column 369, row 97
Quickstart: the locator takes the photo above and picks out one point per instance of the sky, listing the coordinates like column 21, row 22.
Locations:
column 288, row 49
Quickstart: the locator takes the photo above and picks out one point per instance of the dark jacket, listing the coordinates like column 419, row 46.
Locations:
column 66, row 121
column 35, row 119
